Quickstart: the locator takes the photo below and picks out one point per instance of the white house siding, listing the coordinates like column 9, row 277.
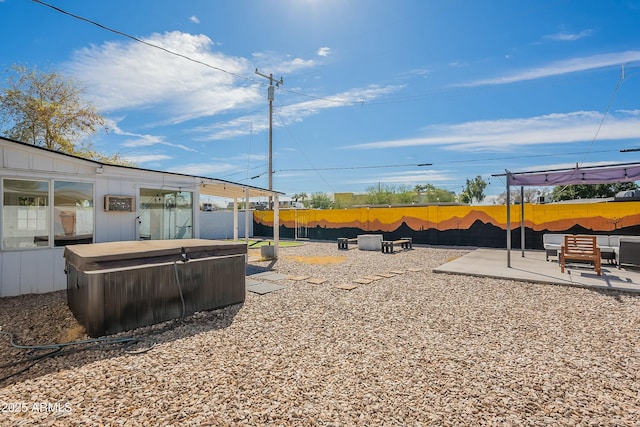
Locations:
column 32, row 272
column 118, row 226
column 114, row 226
column 39, row 270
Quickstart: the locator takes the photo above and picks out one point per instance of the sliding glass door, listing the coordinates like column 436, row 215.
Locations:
column 165, row 214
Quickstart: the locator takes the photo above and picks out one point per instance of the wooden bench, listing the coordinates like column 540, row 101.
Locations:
column 580, row 248
column 405, row 243
column 343, row 242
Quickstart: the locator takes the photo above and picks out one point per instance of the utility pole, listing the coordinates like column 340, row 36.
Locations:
column 270, row 96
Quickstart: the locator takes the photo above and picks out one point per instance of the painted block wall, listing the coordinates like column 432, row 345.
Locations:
column 478, row 226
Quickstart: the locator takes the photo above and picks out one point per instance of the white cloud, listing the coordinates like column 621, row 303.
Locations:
column 129, row 75
column 146, row 158
column 416, row 72
column 561, row 67
column 505, row 134
column 408, row 177
column 284, row 116
column 203, row 169
column 279, row 64
column 194, row 19
column 134, row 75
column 564, row 36
column 324, row 51
column 141, row 140
column 149, row 141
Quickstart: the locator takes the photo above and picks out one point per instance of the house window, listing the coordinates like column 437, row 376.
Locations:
column 72, row 213
column 165, row 214
column 25, row 214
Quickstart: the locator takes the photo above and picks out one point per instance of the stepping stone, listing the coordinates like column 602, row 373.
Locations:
column 415, row 269
column 298, row 278
column 264, row 288
column 373, row 277
column 316, row 281
column 347, row 286
column 386, row 275
column 397, row 271
column 252, row 282
column 269, row 275
column 363, row 281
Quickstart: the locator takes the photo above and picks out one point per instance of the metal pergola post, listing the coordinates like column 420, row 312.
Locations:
column 522, row 220
column 508, row 220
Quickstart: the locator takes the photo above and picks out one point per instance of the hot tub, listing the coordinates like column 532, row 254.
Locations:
column 118, row 286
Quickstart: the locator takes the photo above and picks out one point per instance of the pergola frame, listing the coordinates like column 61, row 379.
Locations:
column 603, row 174
column 221, row 188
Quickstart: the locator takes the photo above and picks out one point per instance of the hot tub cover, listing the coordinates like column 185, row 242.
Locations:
column 100, row 256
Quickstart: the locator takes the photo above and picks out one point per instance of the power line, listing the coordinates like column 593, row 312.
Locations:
column 356, row 167
column 475, row 160
column 123, row 34
column 303, row 153
column 180, row 55
column 604, row 116
column 532, row 156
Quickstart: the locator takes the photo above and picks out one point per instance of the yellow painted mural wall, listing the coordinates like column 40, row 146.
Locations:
column 448, row 224
column 602, row 217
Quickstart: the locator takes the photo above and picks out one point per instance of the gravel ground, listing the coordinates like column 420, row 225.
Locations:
column 415, row 349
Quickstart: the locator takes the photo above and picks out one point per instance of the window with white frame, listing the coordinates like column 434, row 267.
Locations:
column 72, row 213
column 27, row 213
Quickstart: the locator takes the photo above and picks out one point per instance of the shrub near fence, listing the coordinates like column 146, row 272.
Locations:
column 481, row 226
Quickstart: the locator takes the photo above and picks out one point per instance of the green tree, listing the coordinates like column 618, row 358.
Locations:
column 320, row 201
column 429, row 193
column 380, row 194
column 590, row 191
column 301, row 197
column 47, row 109
column 87, row 151
column 474, row 190
column 404, row 195
column 530, row 195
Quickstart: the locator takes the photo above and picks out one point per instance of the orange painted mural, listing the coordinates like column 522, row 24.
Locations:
column 483, row 226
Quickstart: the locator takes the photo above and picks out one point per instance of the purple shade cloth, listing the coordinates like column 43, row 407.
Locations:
column 577, row 176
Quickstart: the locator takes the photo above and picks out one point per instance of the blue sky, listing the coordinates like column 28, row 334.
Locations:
column 472, row 87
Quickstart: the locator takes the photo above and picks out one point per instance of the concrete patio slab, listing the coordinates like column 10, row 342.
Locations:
column 533, row 268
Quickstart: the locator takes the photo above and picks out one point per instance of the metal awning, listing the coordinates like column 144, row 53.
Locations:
column 622, row 172
column 602, row 174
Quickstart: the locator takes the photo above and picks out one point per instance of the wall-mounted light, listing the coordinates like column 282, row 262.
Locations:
column 99, row 169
